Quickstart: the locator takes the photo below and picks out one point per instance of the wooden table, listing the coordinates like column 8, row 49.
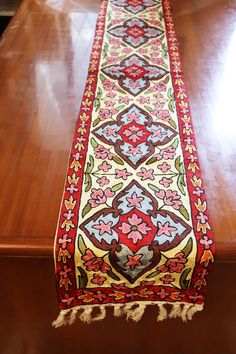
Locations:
column 43, row 66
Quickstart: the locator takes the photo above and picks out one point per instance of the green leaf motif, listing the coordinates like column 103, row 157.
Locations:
column 175, row 143
column 117, row 187
column 165, row 66
column 90, row 164
column 167, row 79
column 121, row 91
column 184, row 212
column 151, row 160
column 94, row 143
column 81, row 245
column 99, row 93
column 96, row 104
column 123, row 56
column 171, row 106
column 179, row 165
column 91, row 160
column 86, row 209
column 154, row 274
column 154, row 188
column 170, row 94
column 102, row 77
column 172, row 123
column 183, row 282
column 119, row 108
column 146, row 56
column 104, row 52
column 149, row 109
column 88, row 183
column 160, row 15
column 181, row 184
column 188, row 248
column 86, row 178
column 118, row 160
column 95, row 122
column 83, row 279
column 109, row 16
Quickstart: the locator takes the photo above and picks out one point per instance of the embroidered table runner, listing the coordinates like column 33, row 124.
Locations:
column 133, row 228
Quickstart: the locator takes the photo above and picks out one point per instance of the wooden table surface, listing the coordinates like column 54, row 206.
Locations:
column 43, row 66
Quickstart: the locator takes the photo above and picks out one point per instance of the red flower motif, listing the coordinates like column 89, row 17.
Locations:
column 102, row 153
column 121, row 286
column 164, row 167
column 135, row 229
column 166, row 154
column 133, row 133
column 98, row 196
column 166, row 182
column 159, row 87
column 126, row 50
column 123, row 174
column 94, row 263
column 158, row 61
column 105, row 167
column 146, row 174
column 164, row 115
column 133, row 261
column 104, row 114
column 170, row 198
column 103, row 181
column 174, row 265
column 97, row 279
column 167, row 279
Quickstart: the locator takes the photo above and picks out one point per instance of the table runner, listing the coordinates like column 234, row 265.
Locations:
column 133, row 228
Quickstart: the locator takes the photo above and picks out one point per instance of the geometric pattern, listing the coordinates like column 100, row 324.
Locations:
column 134, row 135
column 134, row 74
column 135, row 6
column 134, row 231
column 135, row 32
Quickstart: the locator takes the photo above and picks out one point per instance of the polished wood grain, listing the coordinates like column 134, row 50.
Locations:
column 206, row 30
column 44, row 57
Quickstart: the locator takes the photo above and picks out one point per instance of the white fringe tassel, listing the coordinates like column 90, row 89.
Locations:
column 133, row 310
column 118, row 310
column 162, row 313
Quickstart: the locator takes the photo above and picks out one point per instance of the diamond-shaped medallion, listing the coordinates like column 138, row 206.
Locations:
column 134, row 135
column 135, row 32
column 134, row 231
column 134, row 74
column 135, row 6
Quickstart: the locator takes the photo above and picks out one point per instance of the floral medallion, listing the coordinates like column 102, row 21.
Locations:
column 134, row 135
column 134, row 231
column 134, row 74
column 135, row 6
column 135, row 32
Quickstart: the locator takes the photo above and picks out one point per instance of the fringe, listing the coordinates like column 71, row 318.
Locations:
column 162, row 313
column 133, row 311
column 118, row 310
column 176, row 311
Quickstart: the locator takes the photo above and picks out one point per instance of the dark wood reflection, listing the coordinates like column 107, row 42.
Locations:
column 44, row 58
